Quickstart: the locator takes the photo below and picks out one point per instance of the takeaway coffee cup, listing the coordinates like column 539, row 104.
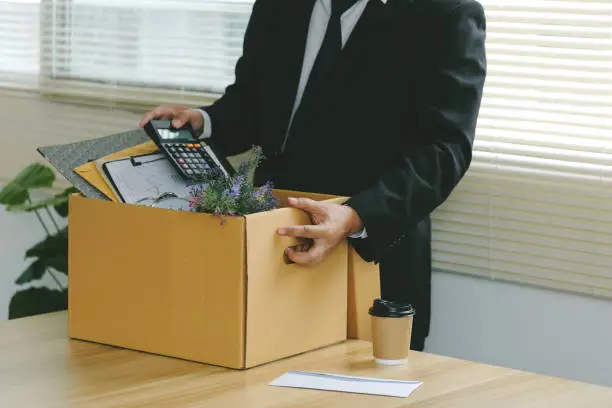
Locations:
column 391, row 331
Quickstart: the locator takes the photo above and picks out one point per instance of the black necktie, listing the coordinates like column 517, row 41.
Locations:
column 330, row 49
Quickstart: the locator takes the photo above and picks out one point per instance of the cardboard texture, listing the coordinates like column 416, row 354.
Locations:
column 363, row 288
column 181, row 284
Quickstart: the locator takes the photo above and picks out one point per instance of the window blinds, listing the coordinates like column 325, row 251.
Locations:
column 145, row 52
column 19, row 44
column 536, row 204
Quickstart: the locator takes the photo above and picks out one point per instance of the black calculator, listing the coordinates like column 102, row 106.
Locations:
column 189, row 155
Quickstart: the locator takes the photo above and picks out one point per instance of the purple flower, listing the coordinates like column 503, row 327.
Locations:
column 233, row 196
column 237, row 185
column 197, row 190
column 264, row 199
column 263, row 191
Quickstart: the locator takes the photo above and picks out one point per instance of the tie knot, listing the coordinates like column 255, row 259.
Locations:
column 340, row 6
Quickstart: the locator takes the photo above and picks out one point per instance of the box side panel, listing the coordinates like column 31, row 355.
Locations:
column 290, row 309
column 159, row 281
column 363, row 288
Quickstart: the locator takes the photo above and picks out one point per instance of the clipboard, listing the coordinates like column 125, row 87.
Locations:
column 144, row 177
column 92, row 171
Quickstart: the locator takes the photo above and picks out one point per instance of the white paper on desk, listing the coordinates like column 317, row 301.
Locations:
column 342, row 383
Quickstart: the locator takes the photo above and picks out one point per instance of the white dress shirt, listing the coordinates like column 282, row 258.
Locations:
column 316, row 33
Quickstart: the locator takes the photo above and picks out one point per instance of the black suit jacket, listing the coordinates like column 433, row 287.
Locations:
column 394, row 127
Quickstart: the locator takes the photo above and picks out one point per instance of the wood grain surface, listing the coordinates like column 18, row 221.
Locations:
column 41, row 367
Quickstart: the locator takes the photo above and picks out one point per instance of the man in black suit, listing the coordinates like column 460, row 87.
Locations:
column 370, row 99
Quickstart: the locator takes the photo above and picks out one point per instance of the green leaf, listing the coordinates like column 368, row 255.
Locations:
column 29, row 207
column 62, row 209
column 13, row 195
column 35, row 301
column 16, row 192
column 35, row 271
column 59, row 201
column 52, row 252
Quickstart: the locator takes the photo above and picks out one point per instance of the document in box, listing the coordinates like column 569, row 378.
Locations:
column 343, row 383
column 145, row 177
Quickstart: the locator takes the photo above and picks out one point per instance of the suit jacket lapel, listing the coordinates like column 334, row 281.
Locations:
column 366, row 27
column 288, row 66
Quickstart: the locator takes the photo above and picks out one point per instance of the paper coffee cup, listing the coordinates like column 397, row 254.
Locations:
column 391, row 331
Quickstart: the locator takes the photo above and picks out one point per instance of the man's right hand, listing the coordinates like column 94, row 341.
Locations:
column 179, row 115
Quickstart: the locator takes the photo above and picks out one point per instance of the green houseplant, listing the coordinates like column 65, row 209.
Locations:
column 49, row 256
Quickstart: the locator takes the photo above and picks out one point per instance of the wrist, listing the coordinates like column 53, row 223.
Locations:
column 197, row 121
column 354, row 223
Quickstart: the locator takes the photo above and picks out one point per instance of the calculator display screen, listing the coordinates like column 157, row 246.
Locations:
column 181, row 134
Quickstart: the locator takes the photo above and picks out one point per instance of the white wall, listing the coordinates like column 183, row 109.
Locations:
column 522, row 327
column 29, row 123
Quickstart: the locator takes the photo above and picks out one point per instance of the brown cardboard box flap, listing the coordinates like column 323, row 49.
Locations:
column 286, row 303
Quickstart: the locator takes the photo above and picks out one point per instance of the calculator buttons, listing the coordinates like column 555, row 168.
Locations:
column 182, row 161
column 197, row 146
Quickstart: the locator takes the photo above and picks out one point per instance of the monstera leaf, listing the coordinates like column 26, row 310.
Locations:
column 35, row 301
column 35, row 271
column 62, row 207
column 49, row 256
column 50, row 253
column 58, row 201
column 16, row 192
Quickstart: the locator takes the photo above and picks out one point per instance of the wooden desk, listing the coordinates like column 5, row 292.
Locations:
column 40, row 367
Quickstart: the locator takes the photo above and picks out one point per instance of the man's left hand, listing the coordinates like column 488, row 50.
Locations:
column 332, row 224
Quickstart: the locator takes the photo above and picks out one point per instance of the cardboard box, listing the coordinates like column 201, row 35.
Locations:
column 181, row 284
column 363, row 288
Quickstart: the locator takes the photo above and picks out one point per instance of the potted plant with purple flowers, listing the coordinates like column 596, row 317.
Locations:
column 235, row 195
